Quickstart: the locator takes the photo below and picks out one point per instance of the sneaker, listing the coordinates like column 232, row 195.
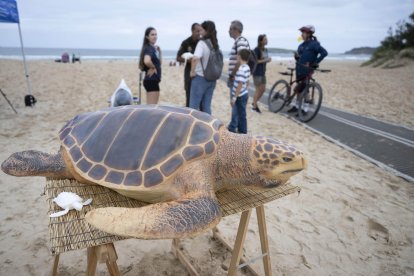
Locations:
column 304, row 113
column 256, row 109
column 292, row 109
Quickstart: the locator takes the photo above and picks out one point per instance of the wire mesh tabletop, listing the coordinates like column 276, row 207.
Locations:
column 72, row 232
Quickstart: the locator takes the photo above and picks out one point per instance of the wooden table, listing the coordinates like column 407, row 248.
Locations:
column 72, row 232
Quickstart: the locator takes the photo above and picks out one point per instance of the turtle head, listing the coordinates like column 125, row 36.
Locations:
column 276, row 161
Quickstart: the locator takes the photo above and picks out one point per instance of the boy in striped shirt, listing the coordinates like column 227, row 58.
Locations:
column 239, row 94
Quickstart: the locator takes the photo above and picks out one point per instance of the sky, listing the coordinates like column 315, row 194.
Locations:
column 108, row 24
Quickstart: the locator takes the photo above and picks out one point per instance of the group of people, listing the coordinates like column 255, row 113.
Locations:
column 199, row 90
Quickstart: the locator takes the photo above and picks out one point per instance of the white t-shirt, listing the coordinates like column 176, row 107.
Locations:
column 203, row 52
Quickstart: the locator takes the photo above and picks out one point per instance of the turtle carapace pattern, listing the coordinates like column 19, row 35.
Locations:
column 137, row 145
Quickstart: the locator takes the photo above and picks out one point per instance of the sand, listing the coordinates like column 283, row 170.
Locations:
column 351, row 218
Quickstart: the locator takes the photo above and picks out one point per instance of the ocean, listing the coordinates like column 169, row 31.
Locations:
column 122, row 54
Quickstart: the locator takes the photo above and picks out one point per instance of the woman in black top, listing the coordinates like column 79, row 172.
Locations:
column 150, row 63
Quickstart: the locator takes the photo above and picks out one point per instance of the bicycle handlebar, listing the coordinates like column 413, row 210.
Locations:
column 285, row 73
column 314, row 69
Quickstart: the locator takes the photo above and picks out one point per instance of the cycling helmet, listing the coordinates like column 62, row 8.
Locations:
column 308, row 29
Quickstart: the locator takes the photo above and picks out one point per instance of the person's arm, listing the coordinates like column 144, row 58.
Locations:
column 194, row 62
column 180, row 52
column 265, row 60
column 234, row 71
column 159, row 50
column 261, row 60
column 151, row 67
column 198, row 53
column 322, row 54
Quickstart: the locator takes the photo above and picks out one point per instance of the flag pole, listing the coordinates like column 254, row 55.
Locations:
column 24, row 61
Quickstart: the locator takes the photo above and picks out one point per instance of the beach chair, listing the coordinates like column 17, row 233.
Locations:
column 65, row 58
column 75, row 58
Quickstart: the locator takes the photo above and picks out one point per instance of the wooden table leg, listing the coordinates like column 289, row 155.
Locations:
column 175, row 248
column 104, row 253
column 261, row 220
column 237, row 250
column 55, row 265
column 92, row 261
column 238, row 244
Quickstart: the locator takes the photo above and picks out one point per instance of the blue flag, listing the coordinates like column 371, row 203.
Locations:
column 8, row 11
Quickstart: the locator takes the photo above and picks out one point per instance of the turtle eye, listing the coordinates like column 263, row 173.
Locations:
column 287, row 159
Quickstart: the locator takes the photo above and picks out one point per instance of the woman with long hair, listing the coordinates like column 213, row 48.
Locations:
column 150, row 63
column 259, row 75
column 201, row 88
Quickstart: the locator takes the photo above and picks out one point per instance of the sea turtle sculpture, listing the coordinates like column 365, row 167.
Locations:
column 175, row 158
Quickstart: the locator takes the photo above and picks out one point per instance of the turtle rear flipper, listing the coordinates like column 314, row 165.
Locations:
column 185, row 217
column 35, row 163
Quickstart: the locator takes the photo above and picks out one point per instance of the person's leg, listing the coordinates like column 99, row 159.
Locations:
column 230, row 86
column 208, row 97
column 260, row 84
column 197, row 91
column 255, row 96
column 298, row 89
column 233, row 122
column 152, row 97
column 261, row 91
column 256, row 92
column 153, row 91
column 241, row 104
column 232, row 127
column 187, row 88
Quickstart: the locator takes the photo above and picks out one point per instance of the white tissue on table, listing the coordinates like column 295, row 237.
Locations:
column 68, row 201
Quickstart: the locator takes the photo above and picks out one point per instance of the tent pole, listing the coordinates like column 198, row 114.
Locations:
column 24, row 62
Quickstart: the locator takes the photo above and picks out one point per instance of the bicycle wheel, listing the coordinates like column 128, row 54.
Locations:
column 310, row 102
column 278, row 96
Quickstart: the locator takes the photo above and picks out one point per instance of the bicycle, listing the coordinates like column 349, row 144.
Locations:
column 310, row 99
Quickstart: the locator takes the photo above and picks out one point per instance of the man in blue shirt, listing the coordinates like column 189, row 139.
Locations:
column 310, row 53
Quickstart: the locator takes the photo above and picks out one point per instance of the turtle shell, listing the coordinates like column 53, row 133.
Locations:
column 137, row 146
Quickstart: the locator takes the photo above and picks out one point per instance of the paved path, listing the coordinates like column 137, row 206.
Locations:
column 389, row 146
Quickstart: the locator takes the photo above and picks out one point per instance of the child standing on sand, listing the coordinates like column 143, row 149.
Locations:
column 239, row 94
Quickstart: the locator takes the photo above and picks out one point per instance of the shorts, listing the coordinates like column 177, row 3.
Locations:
column 152, row 85
column 259, row 80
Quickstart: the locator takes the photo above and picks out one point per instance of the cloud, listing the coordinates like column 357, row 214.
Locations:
column 340, row 24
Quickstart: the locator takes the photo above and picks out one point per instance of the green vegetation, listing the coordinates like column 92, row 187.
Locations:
column 361, row 51
column 397, row 48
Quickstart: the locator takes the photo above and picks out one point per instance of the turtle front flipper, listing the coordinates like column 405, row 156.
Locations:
column 184, row 217
column 35, row 163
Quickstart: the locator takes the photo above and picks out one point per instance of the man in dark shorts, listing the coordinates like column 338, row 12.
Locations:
column 188, row 45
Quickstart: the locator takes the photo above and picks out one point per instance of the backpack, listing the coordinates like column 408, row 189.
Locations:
column 252, row 58
column 214, row 66
column 29, row 100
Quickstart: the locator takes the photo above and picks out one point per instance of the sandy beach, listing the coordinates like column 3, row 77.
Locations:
column 351, row 217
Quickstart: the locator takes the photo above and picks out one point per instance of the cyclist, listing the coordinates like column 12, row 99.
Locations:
column 310, row 53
